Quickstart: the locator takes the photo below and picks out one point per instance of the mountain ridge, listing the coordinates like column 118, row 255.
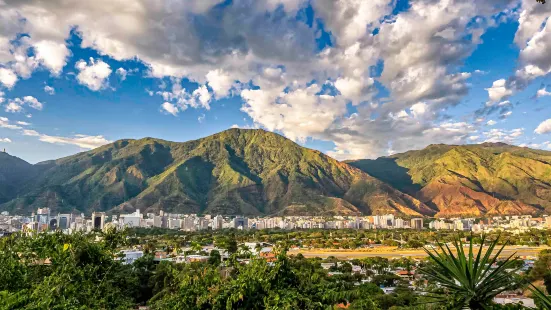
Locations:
column 237, row 171
column 473, row 179
column 257, row 172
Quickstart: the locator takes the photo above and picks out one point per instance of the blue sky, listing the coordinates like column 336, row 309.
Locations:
column 352, row 79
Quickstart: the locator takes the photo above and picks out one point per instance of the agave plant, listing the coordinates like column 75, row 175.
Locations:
column 544, row 300
column 469, row 280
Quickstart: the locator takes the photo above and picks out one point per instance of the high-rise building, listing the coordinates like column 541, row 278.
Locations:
column 98, row 220
column 64, row 221
column 131, row 220
column 417, row 223
column 217, row 222
column 240, row 222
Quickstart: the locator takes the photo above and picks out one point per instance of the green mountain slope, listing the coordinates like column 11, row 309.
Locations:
column 490, row 178
column 13, row 172
column 250, row 172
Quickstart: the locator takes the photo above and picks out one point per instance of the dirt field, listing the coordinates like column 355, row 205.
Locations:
column 394, row 252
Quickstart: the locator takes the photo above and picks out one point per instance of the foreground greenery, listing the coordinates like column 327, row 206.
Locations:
column 82, row 271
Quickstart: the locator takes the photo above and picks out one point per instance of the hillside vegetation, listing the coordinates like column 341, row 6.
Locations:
column 251, row 172
column 490, row 178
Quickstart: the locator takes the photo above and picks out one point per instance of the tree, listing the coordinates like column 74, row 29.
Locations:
column 58, row 271
column 468, row 279
column 214, row 258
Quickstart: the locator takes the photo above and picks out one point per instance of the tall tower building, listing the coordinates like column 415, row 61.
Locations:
column 98, row 220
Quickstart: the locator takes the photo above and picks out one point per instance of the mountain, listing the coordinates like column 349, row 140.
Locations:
column 13, row 173
column 484, row 179
column 250, row 172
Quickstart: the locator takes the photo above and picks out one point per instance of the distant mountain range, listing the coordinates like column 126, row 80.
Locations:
column 255, row 172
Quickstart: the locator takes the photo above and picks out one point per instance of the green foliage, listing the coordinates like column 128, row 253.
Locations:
column 543, row 300
column 57, row 271
column 469, row 279
column 237, row 171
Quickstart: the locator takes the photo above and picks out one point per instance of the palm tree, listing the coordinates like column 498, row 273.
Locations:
column 469, row 280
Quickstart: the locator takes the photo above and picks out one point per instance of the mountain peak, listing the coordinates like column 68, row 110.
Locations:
column 236, row 171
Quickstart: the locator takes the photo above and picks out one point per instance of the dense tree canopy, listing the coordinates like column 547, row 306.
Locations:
column 83, row 271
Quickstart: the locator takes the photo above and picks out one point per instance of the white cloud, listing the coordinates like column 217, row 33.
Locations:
column 533, row 37
column 49, row 90
column 94, row 75
column 33, row 102
column 169, row 108
column 83, row 141
column 491, row 122
column 179, row 99
column 542, row 93
column 122, row 73
column 419, row 51
column 544, row 127
column 503, row 135
column 356, row 89
column 7, row 77
column 23, row 123
column 201, row 118
column 30, row 132
column 5, row 140
column 53, row 55
column 5, row 123
column 506, row 114
column 499, row 90
column 220, row 82
column 14, row 106
column 299, row 113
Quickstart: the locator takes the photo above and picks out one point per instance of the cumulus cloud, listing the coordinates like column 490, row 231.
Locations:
column 503, row 135
column 33, row 102
column 542, row 93
column 179, row 99
column 499, row 90
column 49, row 90
column 544, row 127
column 122, row 73
column 7, row 77
column 533, row 37
column 169, row 108
column 16, row 105
column 262, row 52
column 5, row 140
column 299, row 114
column 220, row 82
column 491, row 123
column 93, row 74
